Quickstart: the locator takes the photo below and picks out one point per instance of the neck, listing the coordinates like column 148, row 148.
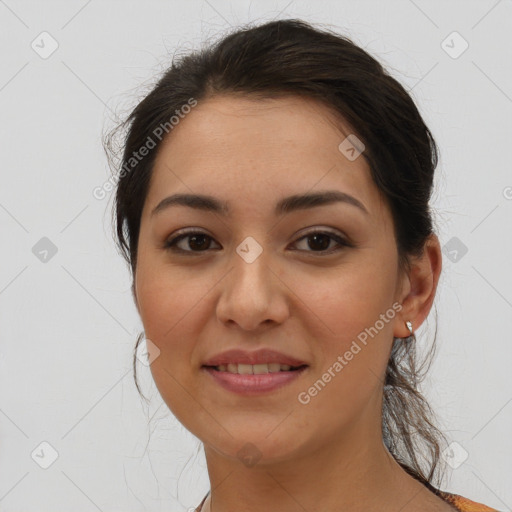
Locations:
column 352, row 472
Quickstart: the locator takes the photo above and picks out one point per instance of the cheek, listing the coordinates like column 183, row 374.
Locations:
column 348, row 299
column 165, row 295
column 170, row 306
column 164, row 302
column 351, row 318
column 352, row 324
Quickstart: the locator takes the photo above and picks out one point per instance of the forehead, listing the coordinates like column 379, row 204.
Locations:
column 257, row 148
column 281, row 126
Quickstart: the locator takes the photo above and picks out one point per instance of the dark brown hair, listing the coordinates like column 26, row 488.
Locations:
column 291, row 57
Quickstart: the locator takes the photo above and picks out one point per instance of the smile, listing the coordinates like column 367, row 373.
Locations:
column 243, row 380
column 255, row 369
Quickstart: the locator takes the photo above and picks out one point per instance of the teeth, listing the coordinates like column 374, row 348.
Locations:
column 247, row 369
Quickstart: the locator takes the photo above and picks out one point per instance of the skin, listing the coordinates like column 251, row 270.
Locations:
column 327, row 455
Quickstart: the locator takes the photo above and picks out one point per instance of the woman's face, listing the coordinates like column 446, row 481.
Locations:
column 310, row 298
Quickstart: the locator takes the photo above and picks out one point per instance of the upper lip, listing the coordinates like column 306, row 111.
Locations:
column 264, row 355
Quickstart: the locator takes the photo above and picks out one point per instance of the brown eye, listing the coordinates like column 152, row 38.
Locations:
column 319, row 241
column 197, row 242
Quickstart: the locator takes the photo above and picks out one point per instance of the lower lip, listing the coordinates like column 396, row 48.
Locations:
column 253, row 384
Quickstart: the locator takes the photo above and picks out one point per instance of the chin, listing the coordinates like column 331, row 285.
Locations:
column 253, row 449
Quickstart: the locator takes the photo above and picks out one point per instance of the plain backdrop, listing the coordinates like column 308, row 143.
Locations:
column 67, row 321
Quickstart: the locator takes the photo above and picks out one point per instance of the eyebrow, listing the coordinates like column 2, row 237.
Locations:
column 285, row 205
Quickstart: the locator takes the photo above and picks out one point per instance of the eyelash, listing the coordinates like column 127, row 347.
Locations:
column 171, row 243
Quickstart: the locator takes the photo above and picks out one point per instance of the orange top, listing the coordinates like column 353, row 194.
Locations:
column 463, row 504
column 458, row 502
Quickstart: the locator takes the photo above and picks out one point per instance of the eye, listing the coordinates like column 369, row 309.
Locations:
column 198, row 241
column 319, row 241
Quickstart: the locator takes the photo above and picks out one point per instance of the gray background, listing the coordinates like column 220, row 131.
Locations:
column 67, row 321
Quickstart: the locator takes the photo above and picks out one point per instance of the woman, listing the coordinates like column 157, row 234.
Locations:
column 293, row 361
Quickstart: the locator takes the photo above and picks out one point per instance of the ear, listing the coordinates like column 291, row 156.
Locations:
column 419, row 287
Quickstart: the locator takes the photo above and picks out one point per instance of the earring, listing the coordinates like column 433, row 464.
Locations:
column 409, row 326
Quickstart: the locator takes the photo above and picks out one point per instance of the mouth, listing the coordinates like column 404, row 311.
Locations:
column 255, row 369
column 254, row 380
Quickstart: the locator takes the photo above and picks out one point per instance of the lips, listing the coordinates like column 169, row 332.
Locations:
column 261, row 356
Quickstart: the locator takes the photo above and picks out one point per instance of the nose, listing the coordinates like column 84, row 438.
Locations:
column 253, row 294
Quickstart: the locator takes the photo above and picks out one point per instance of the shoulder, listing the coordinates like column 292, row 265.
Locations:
column 464, row 504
